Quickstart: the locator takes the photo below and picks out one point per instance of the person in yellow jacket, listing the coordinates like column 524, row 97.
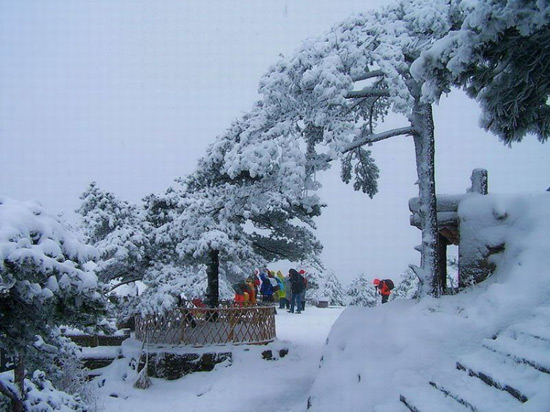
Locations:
column 283, row 301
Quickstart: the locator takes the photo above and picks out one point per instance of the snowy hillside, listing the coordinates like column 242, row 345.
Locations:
column 405, row 348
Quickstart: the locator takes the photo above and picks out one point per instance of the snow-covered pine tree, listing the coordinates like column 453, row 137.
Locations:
column 245, row 206
column 499, row 53
column 118, row 230
column 406, row 287
column 333, row 290
column 266, row 178
column 361, row 292
column 46, row 280
column 336, row 90
column 315, row 277
column 180, row 226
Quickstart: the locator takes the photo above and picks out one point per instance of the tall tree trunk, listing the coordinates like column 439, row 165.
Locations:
column 213, row 271
column 424, row 143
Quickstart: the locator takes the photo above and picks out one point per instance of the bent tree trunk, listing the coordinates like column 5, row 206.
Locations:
column 212, row 272
column 424, row 144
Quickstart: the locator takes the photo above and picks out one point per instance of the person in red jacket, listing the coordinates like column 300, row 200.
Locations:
column 384, row 288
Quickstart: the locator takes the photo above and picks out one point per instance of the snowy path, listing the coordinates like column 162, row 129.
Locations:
column 250, row 384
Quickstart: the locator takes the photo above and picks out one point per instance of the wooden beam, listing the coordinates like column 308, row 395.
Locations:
column 443, row 219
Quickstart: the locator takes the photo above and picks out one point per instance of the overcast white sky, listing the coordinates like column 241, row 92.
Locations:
column 129, row 94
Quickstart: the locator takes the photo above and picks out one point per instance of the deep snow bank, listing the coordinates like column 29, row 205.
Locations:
column 373, row 353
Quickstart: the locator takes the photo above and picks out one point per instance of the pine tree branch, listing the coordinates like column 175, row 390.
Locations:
column 9, row 393
column 125, row 283
column 367, row 92
column 371, row 138
column 367, row 75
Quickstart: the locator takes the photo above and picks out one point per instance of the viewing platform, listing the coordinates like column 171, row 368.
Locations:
column 201, row 326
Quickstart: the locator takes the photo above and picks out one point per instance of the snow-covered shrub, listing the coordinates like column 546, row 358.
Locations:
column 332, row 289
column 361, row 292
column 46, row 276
column 406, row 287
column 41, row 396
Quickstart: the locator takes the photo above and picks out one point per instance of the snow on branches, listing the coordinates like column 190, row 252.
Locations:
column 119, row 232
column 46, row 280
column 46, row 275
column 335, row 91
column 499, row 53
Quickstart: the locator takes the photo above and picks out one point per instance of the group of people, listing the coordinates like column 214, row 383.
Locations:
column 270, row 286
column 288, row 290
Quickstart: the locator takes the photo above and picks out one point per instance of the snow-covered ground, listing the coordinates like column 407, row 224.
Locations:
column 249, row 384
column 374, row 356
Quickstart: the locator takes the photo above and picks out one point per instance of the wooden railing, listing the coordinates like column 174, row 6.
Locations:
column 207, row 326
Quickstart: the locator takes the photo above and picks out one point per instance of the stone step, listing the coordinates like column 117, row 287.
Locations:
column 96, row 363
column 99, row 356
column 474, row 393
column 426, row 398
column 172, row 365
column 522, row 349
column 519, row 379
column 84, row 340
column 531, row 330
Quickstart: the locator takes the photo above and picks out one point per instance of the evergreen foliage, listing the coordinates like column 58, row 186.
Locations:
column 41, row 395
column 46, row 280
column 361, row 292
column 118, row 230
column 333, row 290
column 335, row 91
column 499, row 52
column 407, row 287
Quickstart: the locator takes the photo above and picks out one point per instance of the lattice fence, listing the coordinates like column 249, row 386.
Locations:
column 206, row 326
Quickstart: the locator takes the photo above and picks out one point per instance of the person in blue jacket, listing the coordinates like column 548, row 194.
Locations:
column 266, row 289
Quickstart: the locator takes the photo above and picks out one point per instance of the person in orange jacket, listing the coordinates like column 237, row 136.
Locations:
column 384, row 288
column 251, row 291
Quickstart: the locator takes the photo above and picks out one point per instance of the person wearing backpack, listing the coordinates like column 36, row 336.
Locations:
column 384, row 288
column 297, row 286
